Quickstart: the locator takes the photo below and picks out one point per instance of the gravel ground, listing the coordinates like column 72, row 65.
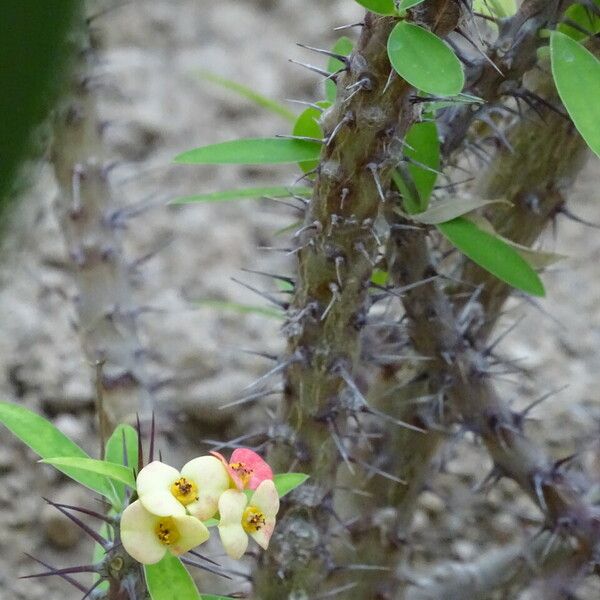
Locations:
column 155, row 105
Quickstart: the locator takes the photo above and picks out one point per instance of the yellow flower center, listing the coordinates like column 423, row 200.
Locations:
column 253, row 519
column 242, row 471
column 185, row 491
column 166, row 531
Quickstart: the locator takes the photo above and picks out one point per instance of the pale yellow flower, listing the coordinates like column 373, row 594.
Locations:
column 241, row 518
column 147, row 537
column 167, row 492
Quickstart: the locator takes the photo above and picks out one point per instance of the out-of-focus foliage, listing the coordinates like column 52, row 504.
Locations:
column 33, row 52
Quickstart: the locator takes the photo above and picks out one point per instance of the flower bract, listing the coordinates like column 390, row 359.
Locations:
column 246, row 468
column 146, row 537
column 241, row 518
column 167, row 492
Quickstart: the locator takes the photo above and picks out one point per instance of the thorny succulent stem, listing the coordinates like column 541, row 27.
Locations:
column 330, row 304
column 85, row 210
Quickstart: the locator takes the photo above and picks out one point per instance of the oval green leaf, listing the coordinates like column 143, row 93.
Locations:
column 493, row 255
column 576, row 74
column 381, row 7
column 286, row 482
column 424, row 60
column 307, row 126
column 245, row 194
column 48, row 442
column 101, row 467
column 252, row 151
column 423, row 147
column 168, row 579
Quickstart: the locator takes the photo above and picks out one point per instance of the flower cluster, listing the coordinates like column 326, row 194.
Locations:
column 173, row 505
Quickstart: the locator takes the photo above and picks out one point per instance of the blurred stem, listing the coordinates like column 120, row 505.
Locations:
column 92, row 224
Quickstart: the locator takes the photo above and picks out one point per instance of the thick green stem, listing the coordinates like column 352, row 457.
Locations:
column 363, row 131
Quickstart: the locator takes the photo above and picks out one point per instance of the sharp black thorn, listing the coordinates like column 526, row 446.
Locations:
column 139, row 440
column 341, row 57
column 83, row 526
column 66, row 571
column 87, row 594
column 193, row 563
column 313, row 68
column 152, row 436
column 64, row 576
column 265, row 295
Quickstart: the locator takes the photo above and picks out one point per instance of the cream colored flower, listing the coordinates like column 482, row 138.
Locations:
column 146, row 537
column 240, row 518
column 167, row 492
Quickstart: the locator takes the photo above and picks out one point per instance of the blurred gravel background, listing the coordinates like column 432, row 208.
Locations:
column 156, row 105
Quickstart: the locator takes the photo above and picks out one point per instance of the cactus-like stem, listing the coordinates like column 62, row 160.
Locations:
column 364, row 129
column 91, row 223
column 529, row 172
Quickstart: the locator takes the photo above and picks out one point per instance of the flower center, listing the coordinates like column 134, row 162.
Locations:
column 242, row 471
column 185, row 491
column 166, row 531
column 253, row 519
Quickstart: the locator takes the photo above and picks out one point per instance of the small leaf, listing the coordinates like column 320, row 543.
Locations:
column 406, row 4
column 307, row 126
column 495, row 8
column 252, row 151
column 168, row 579
column 47, row 441
column 100, row 467
column 245, row 193
column 379, row 277
column 424, row 60
column 423, row 147
column 286, row 482
column 450, row 208
column 493, row 255
column 343, row 46
column 576, row 74
column 243, row 309
column 114, row 452
column 250, row 94
column 381, row 7
column 582, row 16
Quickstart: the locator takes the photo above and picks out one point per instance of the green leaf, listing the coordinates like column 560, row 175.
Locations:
column 582, row 16
column 286, row 482
column 168, row 579
column 252, row 151
column 246, row 193
column 493, row 255
column 48, row 442
column 124, row 437
column 101, row 467
column 343, row 46
column 423, row 147
column 307, row 126
column 406, row 4
column 381, row 7
column 577, row 77
column 450, row 208
column 379, row 277
column 250, row 94
column 495, row 8
column 243, row 309
column 424, row 60
column 34, row 53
